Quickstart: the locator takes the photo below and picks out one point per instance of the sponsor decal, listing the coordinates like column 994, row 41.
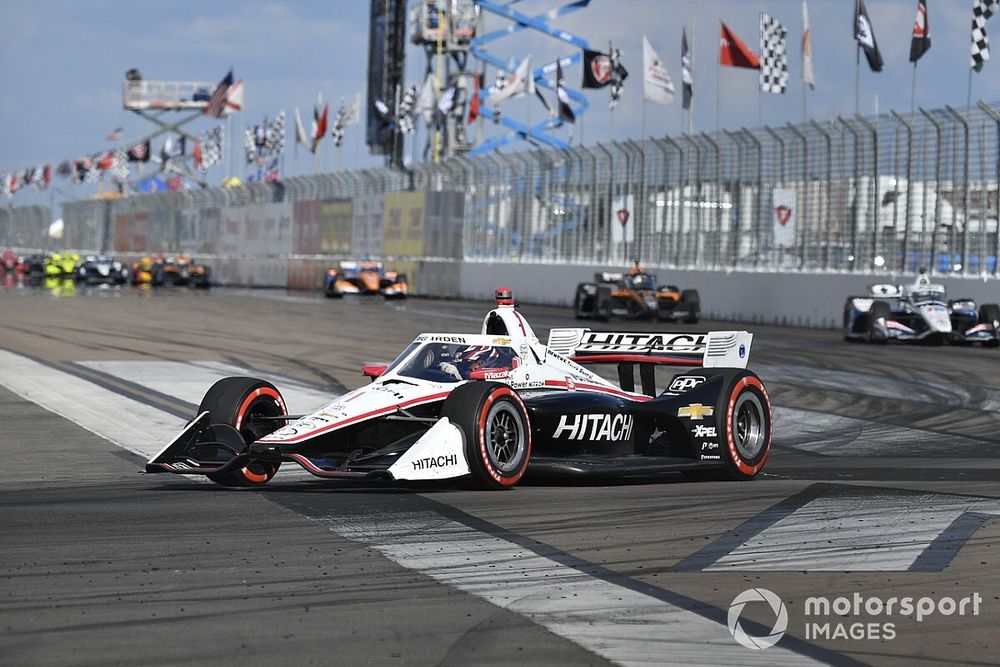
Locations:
column 685, row 382
column 709, row 446
column 603, row 342
column 501, row 341
column 695, row 411
column 286, row 432
column 388, row 390
column 570, row 384
column 496, row 375
column 711, row 457
column 528, row 384
column 435, row 462
column 743, row 351
column 445, row 339
column 595, row 427
column 704, row 431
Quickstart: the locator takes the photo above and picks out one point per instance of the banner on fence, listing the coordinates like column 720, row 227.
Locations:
column 622, row 219
column 783, row 215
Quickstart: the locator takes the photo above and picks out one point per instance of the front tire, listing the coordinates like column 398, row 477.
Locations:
column 746, row 409
column 244, row 403
column 989, row 313
column 496, row 432
column 693, row 301
column 880, row 310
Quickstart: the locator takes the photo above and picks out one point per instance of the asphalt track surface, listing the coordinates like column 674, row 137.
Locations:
column 883, row 481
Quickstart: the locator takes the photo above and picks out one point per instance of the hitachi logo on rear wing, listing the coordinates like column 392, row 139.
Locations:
column 730, row 349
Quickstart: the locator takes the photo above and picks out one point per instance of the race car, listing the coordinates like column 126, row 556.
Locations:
column 146, row 273
column 11, row 263
column 61, row 264
column 364, row 277
column 919, row 312
column 101, row 270
column 182, row 271
column 635, row 295
column 491, row 406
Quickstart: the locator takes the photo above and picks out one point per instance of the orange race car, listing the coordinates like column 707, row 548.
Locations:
column 634, row 295
column 182, row 271
column 364, row 277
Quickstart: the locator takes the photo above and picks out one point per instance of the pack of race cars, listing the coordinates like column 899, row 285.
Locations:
column 67, row 267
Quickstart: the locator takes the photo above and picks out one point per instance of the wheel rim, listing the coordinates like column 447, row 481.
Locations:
column 750, row 431
column 505, row 437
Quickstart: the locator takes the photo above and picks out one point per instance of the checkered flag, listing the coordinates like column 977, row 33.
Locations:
column 212, row 148
column 773, row 56
column 981, row 11
column 618, row 76
column 250, row 144
column 404, row 117
column 274, row 143
column 119, row 165
column 338, row 125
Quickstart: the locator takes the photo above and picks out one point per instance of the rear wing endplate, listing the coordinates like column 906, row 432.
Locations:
column 714, row 349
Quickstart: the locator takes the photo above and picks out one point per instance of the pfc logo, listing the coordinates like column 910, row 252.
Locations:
column 685, row 382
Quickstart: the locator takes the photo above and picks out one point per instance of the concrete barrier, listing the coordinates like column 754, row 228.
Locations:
column 800, row 299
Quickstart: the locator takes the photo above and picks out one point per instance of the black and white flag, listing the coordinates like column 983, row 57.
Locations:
column 687, row 74
column 773, row 56
column 274, row 141
column 212, row 148
column 119, row 165
column 250, row 144
column 404, row 117
column 981, row 12
column 566, row 114
column 618, row 76
column 865, row 34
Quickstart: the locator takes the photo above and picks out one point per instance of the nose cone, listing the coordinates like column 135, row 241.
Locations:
column 371, row 280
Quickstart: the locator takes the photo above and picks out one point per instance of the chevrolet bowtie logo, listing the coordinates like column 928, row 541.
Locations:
column 695, row 411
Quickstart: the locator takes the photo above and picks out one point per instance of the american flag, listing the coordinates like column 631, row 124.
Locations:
column 217, row 104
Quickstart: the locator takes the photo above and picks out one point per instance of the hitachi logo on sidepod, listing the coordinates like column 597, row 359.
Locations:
column 435, row 462
column 595, row 427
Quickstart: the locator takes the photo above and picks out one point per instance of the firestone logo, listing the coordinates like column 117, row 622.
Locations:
column 780, row 618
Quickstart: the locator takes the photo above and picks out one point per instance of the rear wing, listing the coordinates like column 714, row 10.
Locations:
column 714, row 349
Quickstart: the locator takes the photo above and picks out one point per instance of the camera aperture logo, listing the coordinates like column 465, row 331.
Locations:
column 780, row 618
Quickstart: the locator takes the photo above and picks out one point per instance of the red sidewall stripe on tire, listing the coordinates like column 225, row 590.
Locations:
column 256, row 393
column 734, row 453
column 484, row 455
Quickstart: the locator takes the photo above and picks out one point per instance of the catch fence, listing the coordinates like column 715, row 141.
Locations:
column 861, row 194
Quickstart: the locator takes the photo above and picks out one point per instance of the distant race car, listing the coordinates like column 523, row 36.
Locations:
column 364, row 277
column 11, row 263
column 60, row 264
column 182, row 271
column 921, row 312
column 101, row 270
column 634, row 295
column 146, row 273
column 493, row 405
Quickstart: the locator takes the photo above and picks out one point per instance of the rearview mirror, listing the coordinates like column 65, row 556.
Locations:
column 373, row 370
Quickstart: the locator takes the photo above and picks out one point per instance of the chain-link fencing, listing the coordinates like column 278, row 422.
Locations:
column 25, row 227
column 891, row 192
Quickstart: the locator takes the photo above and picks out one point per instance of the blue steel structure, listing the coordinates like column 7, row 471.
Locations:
column 536, row 133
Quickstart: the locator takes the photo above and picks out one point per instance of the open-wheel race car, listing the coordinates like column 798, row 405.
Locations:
column 492, row 406
column 182, row 271
column 364, row 277
column 101, row 270
column 920, row 312
column 634, row 295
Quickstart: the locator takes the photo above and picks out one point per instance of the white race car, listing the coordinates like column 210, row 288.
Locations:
column 493, row 405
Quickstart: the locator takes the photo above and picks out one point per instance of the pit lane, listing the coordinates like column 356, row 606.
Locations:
column 881, row 456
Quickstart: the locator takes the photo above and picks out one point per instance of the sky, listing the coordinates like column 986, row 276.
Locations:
column 65, row 62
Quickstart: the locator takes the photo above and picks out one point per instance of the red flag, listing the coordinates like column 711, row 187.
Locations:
column 107, row 161
column 734, row 53
column 319, row 125
column 197, row 153
column 474, row 104
column 47, row 176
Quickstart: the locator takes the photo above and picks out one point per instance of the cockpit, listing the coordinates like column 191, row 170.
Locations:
column 451, row 362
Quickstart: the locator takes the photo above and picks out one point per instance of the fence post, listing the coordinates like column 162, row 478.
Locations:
column 717, row 196
column 737, row 231
column 643, row 204
column 875, row 199
column 937, row 189
column 965, row 187
column 854, row 199
column 804, row 207
column 909, row 187
column 760, row 193
column 606, row 245
column 992, row 113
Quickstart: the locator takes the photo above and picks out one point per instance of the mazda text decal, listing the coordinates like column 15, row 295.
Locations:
column 594, row 427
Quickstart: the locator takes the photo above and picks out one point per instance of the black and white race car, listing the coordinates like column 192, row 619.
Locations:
column 494, row 405
column 100, row 270
column 920, row 312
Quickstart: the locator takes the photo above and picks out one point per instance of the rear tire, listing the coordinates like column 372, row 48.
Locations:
column 879, row 310
column 690, row 298
column 241, row 402
column 496, row 432
column 744, row 411
column 989, row 313
column 580, row 303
